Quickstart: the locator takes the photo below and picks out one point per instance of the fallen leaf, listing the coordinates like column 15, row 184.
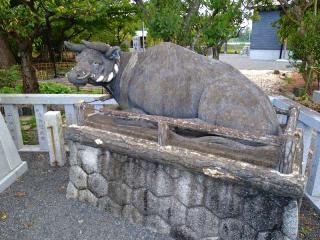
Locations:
column 3, row 216
column 20, row 194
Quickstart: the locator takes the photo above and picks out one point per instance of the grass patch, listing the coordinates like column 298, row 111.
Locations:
column 28, row 129
column 233, row 48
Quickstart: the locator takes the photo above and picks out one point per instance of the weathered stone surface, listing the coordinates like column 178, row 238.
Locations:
column 211, row 238
column 90, row 160
column 290, row 220
column 221, row 199
column 189, row 190
column 98, row 185
column 232, row 229
column 158, row 182
column 262, row 213
column 133, row 175
column 112, row 166
column 132, row 214
column 202, row 222
column 119, row 193
column 172, row 171
column 108, row 205
column 275, row 235
column 157, row 224
column 78, row 177
column 183, row 232
column 73, row 157
column 140, row 200
column 72, row 191
column 188, row 205
column 119, row 157
column 87, row 196
column 177, row 212
column 168, row 208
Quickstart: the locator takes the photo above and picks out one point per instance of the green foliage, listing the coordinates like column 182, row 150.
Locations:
column 165, row 20
column 16, row 89
column 9, row 76
column 54, row 88
column 34, row 23
column 302, row 33
column 45, row 88
column 199, row 23
column 244, row 36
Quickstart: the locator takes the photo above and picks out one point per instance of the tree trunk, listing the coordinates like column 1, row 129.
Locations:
column 6, row 57
column 30, row 82
column 49, row 44
column 215, row 52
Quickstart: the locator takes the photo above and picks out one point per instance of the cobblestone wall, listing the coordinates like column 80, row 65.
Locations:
column 178, row 202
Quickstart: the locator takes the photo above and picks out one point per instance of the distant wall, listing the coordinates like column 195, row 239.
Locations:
column 264, row 41
column 261, row 54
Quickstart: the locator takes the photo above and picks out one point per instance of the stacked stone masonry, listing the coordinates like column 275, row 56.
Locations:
column 178, row 202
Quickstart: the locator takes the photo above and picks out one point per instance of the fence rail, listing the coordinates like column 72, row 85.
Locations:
column 11, row 103
column 309, row 122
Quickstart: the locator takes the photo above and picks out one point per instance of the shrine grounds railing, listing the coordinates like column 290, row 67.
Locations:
column 309, row 122
column 12, row 102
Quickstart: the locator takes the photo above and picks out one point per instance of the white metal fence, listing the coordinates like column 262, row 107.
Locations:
column 11, row 103
column 309, row 121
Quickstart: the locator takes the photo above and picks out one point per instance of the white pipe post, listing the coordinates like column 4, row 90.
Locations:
column 53, row 122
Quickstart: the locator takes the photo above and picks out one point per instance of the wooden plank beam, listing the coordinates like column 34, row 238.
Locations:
column 290, row 144
column 163, row 133
column 291, row 185
column 200, row 127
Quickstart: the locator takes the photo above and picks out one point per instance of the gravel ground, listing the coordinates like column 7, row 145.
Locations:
column 35, row 208
column 269, row 82
column 259, row 71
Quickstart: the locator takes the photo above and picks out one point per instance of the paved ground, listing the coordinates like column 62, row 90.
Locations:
column 35, row 208
column 245, row 63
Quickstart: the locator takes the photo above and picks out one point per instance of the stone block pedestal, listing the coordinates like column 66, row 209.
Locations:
column 177, row 201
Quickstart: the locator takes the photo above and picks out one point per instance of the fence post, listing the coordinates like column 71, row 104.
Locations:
column 13, row 123
column 313, row 185
column 71, row 114
column 53, row 123
column 40, row 110
column 307, row 137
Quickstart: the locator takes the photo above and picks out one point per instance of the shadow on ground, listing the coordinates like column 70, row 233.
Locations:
column 35, row 208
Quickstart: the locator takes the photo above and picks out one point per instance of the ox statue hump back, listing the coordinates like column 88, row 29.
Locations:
column 172, row 81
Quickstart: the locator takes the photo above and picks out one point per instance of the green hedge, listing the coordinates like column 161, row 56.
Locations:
column 45, row 88
column 9, row 76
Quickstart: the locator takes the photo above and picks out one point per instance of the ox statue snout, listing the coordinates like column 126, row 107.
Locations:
column 78, row 78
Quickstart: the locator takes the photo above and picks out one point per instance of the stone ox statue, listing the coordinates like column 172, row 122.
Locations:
column 172, row 81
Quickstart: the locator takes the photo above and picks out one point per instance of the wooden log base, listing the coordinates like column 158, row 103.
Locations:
column 266, row 179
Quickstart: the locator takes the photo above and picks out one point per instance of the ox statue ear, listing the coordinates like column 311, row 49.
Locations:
column 74, row 47
column 113, row 53
column 99, row 46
